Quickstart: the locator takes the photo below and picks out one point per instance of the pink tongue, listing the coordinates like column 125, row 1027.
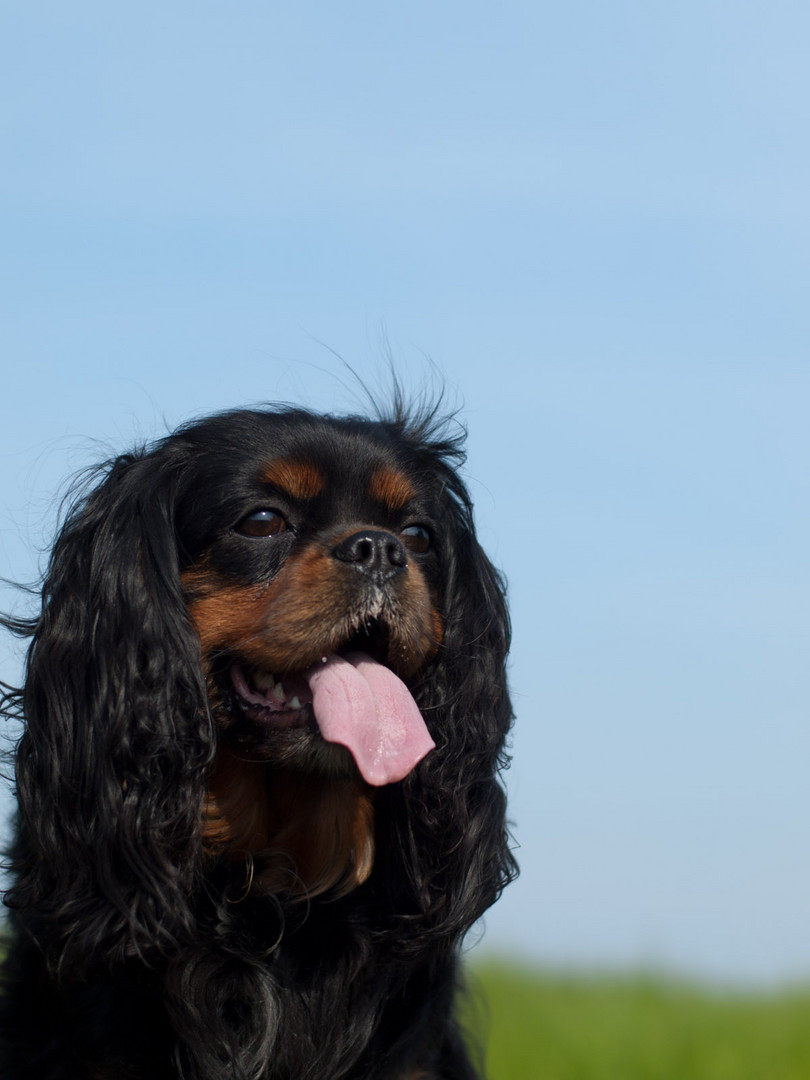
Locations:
column 365, row 707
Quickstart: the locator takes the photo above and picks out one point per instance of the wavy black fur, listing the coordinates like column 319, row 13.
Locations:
column 128, row 959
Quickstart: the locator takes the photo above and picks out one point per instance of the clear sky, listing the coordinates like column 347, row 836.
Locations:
column 594, row 219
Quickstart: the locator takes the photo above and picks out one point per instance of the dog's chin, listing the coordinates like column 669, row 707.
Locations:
column 299, row 749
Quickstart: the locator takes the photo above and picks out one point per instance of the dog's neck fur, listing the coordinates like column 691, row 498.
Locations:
column 299, row 836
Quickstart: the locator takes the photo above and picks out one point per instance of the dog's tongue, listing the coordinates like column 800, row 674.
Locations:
column 365, row 707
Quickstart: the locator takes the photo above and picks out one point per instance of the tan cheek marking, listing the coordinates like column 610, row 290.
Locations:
column 390, row 487
column 231, row 615
column 299, row 479
column 284, row 624
column 438, row 629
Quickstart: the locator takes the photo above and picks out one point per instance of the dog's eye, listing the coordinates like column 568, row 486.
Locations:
column 417, row 538
column 262, row 523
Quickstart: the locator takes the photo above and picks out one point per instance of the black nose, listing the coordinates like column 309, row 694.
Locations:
column 378, row 554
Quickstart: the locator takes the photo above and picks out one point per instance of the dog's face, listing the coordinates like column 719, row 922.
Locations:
column 316, row 544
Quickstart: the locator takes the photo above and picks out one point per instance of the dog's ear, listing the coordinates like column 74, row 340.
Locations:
column 452, row 836
column 117, row 736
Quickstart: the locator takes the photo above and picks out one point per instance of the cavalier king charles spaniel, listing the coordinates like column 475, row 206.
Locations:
column 264, row 709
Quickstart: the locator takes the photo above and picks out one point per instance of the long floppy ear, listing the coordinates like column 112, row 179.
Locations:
column 452, row 835
column 111, row 765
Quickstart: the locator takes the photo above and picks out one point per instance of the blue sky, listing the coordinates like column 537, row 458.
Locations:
column 593, row 219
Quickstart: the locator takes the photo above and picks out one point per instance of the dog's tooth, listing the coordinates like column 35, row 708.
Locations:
column 264, row 680
column 277, row 693
column 295, row 702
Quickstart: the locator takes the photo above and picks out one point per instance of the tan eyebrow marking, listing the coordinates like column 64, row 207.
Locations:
column 298, row 479
column 389, row 486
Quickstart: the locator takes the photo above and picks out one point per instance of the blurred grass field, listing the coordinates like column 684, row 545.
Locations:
column 540, row 1027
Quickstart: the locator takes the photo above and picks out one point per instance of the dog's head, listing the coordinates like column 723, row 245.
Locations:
column 265, row 641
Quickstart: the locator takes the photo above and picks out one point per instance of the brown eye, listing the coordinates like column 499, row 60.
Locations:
column 416, row 538
column 262, row 523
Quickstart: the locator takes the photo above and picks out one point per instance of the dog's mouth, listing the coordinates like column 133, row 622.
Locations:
column 280, row 703
column 349, row 698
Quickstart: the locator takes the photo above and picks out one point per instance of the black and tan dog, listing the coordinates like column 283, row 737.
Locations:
column 264, row 711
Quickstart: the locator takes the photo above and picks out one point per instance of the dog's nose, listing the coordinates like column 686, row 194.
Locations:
column 378, row 554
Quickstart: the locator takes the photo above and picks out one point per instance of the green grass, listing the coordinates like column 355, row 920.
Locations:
column 541, row 1027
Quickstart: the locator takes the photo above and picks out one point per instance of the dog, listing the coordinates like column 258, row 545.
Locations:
column 264, row 714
